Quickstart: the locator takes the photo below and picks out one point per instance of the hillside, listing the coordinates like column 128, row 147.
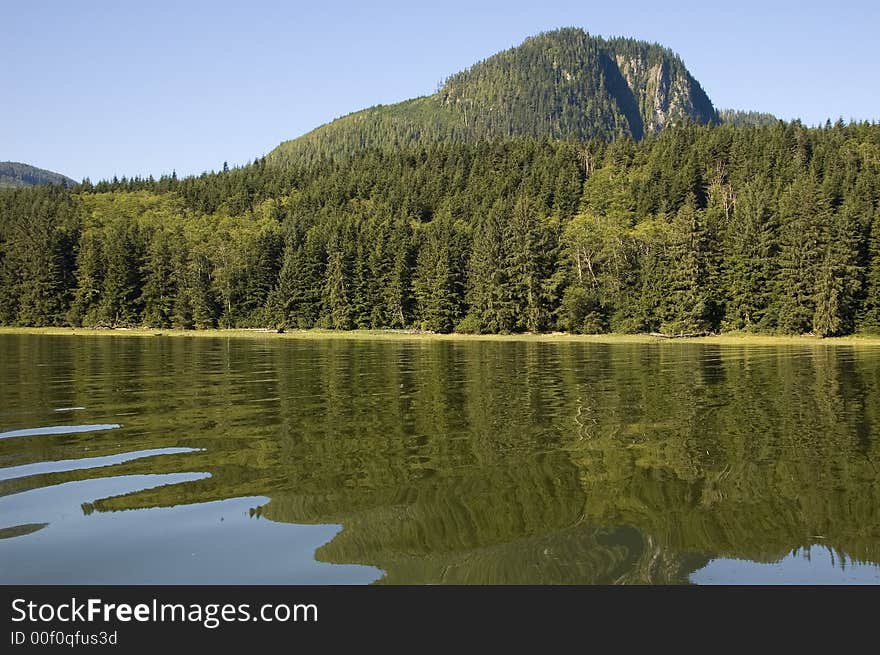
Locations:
column 560, row 84
column 15, row 174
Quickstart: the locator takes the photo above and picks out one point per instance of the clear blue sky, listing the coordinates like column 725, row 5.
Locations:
column 100, row 88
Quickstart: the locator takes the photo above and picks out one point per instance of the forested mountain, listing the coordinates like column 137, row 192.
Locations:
column 572, row 183
column 14, row 174
column 770, row 228
column 561, row 84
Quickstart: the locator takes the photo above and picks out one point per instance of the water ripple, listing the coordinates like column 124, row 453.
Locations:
column 58, row 429
column 39, row 468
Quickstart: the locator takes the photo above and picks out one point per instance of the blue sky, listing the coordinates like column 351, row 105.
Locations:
column 99, row 88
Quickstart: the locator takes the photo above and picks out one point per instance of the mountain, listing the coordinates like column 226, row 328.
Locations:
column 15, row 174
column 561, row 84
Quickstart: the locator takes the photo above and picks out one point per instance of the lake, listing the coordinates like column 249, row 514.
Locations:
column 175, row 460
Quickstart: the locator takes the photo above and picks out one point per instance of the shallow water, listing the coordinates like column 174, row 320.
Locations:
column 202, row 460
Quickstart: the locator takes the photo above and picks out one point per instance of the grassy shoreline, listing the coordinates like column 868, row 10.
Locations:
column 741, row 339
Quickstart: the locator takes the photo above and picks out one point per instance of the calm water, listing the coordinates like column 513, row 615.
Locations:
column 178, row 460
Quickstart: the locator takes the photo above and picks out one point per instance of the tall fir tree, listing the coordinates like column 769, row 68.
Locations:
column 750, row 248
column 530, row 261
column 870, row 321
column 121, row 294
column 803, row 213
column 89, row 280
column 295, row 302
column 489, row 294
column 689, row 306
column 338, row 309
column 160, row 282
column 438, row 281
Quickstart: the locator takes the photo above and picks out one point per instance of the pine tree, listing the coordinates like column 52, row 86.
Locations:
column 182, row 319
column 530, row 262
column 748, row 260
column 160, row 283
column 841, row 278
column 827, row 319
column 438, row 283
column 870, row 322
column 398, row 288
column 201, row 298
column 337, row 286
column 90, row 280
column 489, row 294
column 653, row 241
column 120, row 297
column 262, row 263
column 803, row 213
column 365, row 297
column 689, row 305
column 296, row 299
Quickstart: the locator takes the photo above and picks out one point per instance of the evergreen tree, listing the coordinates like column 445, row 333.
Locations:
column 529, row 264
column 160, row 282
column 296, row 299
column 121, row 294
column 398, row 289
column 748, row 260
column 871, row 319
column 438, row 280
column 262, row 263
column 89, row 280
column 827, row 318
column 337, row 304
column 182, row 314
column 688, row 304
column 803, row 212
column 489, row 293
column 38, row 242
column 841, row 276
column 200, row 302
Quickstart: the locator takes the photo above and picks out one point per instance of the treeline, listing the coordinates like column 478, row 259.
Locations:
column 738, row 118
column 770, row 228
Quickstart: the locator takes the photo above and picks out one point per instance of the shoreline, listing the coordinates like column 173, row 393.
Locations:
column 733, row 338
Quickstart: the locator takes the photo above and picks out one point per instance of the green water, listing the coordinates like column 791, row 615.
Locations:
column 177, row 460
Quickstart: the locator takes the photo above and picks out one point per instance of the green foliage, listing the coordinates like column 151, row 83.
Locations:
column 738, row 118
column 751, row 244
column 438, row 281
column 489, row 288
column 687, row 306
column 803, row 212
column 39, row 230
column 695, row 230
column 871, row 319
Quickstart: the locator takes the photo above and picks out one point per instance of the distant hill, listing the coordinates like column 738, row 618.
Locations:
column 739, row 118
column 15, row 174
column 561, row 84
